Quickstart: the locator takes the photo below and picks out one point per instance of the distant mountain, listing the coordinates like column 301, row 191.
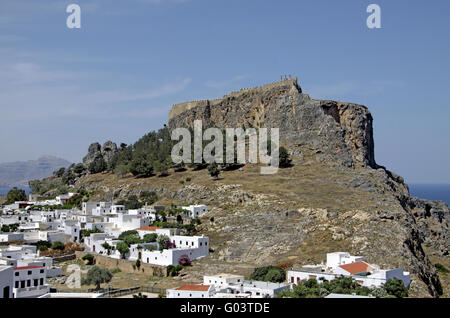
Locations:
column 20, row 172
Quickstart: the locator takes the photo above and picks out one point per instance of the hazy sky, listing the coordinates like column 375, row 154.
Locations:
column 117, row 77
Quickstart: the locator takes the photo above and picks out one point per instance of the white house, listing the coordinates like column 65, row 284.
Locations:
column 222, row 280
column 228, row 286
column 30, row 282
column 344, row 264
column 191, row 291
column 195, row 211
column 10, row 237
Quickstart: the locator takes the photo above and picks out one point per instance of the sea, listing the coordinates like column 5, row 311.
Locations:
column 438, row 192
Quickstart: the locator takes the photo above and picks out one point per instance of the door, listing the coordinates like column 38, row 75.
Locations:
column 6, row 291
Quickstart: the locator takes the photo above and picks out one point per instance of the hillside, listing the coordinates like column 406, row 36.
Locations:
column 20, row 172
column 334, row 197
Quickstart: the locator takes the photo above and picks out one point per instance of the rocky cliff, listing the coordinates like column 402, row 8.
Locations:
column 391, row 226
column 339, row 132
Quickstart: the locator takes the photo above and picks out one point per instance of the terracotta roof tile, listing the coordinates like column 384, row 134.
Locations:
column 148, row 228
column 194, row 287
column 27, row 267
column 356, row 268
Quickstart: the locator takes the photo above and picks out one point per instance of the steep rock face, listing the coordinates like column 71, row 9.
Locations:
column 96, row 151
column 108, row 150
column 338, row 132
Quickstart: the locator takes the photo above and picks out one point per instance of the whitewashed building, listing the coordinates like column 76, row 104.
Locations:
column 195, row 211
column 344, row 264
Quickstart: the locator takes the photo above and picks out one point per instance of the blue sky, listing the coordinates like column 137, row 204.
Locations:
column 117, row 77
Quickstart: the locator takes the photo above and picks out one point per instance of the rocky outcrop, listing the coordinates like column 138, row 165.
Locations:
column 96, row 151
column 335, row 131
column 432, row 221
column 108, row 150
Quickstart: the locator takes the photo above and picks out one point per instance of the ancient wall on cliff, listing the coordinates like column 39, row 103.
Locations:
column 337, row 132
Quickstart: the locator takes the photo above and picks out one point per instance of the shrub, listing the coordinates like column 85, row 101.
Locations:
column 150, row 238
column 184, row 260
column 58, row 246
column 441, row 268
column 272, row 274
column 89, row 258
column 395, row 287
column 213, row 170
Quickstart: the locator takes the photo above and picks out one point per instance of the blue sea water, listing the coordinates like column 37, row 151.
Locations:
column 439, row 192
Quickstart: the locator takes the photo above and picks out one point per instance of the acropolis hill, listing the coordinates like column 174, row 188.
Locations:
column 339, row 132
column 334, row 197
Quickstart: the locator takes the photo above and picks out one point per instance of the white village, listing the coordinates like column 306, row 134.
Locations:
column 107, row 231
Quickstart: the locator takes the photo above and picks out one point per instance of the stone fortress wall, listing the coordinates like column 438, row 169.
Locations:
column 180, row 108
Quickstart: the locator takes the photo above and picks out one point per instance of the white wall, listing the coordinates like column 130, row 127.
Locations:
column 6, row 281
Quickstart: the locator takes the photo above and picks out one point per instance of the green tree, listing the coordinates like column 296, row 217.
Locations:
column 269, row 274
column 14, row 195
column 59, row 173
column 395, row 287
column 163, row 240
column 150, row 238
column 97, row 166
column 79, row 169
column 5, row 228
column 89, row 258
column 123, row 249
column 149, row 197
column 141, row 167
column 214, row 170
column 58, row 246
column 107, row 247
column 96, row 276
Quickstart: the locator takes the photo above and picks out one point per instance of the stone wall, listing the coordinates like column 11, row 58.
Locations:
column 126, row 265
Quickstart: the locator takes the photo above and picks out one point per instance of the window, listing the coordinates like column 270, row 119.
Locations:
column 30, row 272
column 41, row 281
column 22, row 284
column 29, row 283
column 41, row 271
column 16, row 273
column 36, row 282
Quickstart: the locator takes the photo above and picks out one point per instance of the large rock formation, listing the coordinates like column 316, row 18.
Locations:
column 339, row 132
column 390, row 226
column 96, row 152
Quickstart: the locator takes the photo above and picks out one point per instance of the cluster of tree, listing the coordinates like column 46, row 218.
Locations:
column 42, row 245
column 14, row 195
column 272, row 274
column 9, row 227
column 345, row 285
column 151, row 155
column 129, row 238
column 148, row 156
column 131, row 203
